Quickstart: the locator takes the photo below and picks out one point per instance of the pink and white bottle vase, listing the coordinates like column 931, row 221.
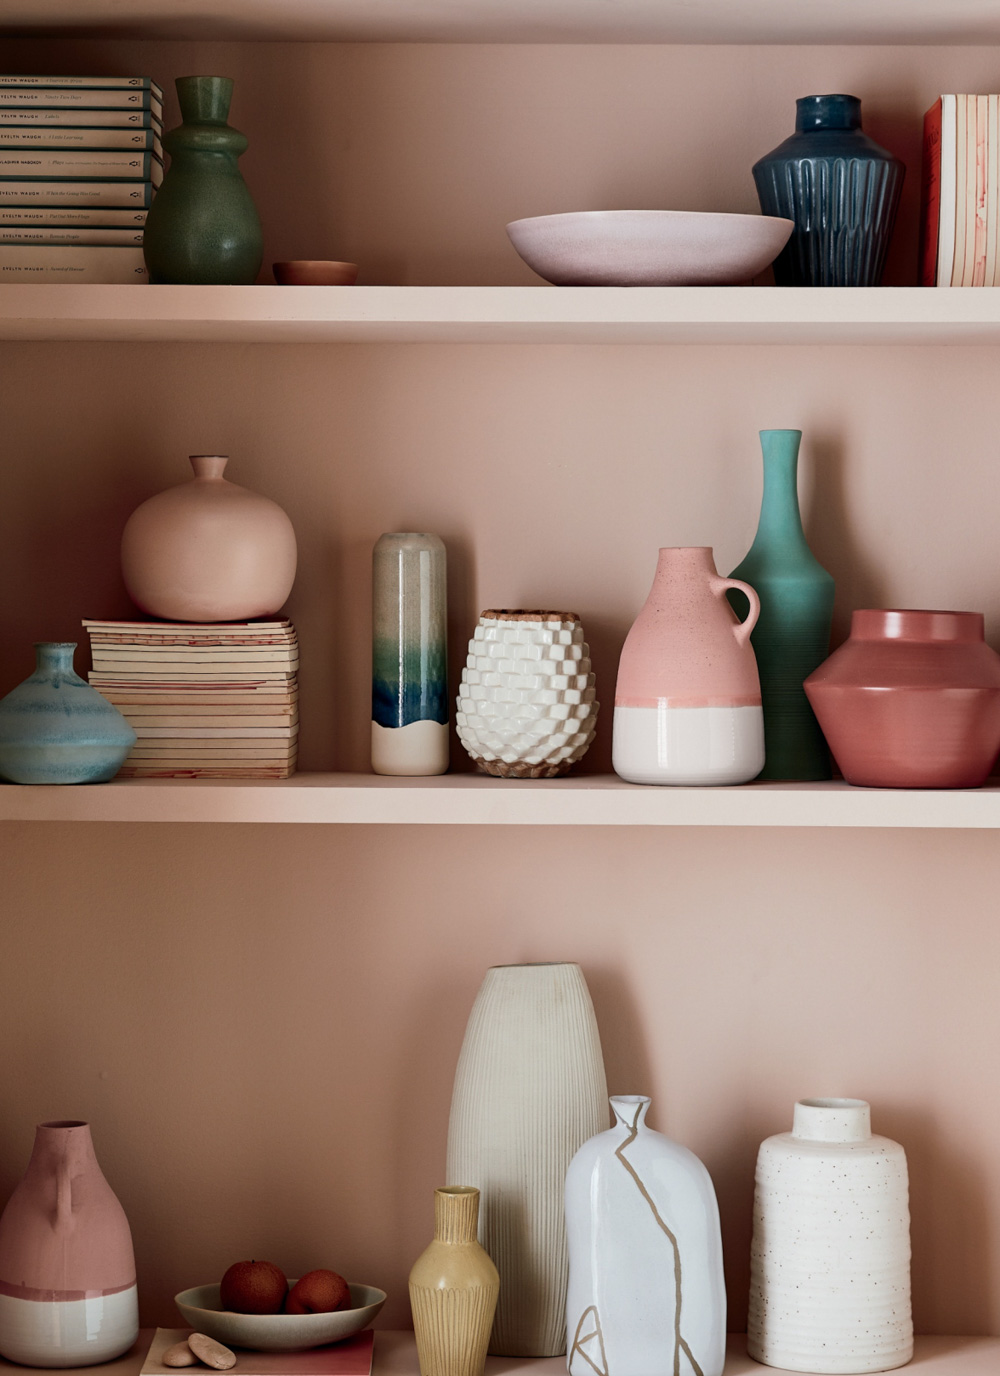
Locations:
column 687, row 704
column 67, row 1271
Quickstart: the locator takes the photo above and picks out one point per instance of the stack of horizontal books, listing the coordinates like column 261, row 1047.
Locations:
column 960, row 225
column 206, row 701
column 80, row 157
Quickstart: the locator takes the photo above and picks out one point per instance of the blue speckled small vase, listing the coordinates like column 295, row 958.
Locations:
column 56, row 729
column 840, row 188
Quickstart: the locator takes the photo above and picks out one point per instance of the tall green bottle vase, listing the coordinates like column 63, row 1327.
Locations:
column 203, row 226
column 792, row 635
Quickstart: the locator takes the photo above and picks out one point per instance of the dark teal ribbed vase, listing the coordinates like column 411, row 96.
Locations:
column 203, row 226
column 792, row 635
column 840, row 188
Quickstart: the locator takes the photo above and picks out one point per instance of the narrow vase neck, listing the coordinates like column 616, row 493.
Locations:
column 204, row 99
column 209, row 466
column 780, row 518
column 827, row 112
column 54, row 656
column 456, row 1214
column 832, row 1120
column 630, row 1110
column 64, row 1148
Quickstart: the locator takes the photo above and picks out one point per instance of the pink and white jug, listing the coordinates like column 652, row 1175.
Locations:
column 687, row 704
column 67, row 1272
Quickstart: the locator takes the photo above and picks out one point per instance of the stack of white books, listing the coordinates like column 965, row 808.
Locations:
column 205, row 701
column 80, row 157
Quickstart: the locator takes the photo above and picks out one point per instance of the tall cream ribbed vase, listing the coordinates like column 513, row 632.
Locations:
column 529, row 1091
column 453, row 1290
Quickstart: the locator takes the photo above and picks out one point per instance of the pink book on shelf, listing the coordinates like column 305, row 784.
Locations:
column 978, row 278
column 352, row 1357
column 961, row 198
column 992, row 187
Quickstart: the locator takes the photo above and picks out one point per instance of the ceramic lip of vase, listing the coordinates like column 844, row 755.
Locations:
column 520, row 614
column 209, row 467
column 204, row 99
column 630, row 1109
column 838, row 112
column 54, row 656
column 832, row 1120
column 916, row 625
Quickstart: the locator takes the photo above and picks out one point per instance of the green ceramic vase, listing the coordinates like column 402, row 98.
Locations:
column 203, row 226
column 792, row 635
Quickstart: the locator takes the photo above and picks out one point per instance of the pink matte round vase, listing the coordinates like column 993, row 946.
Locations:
column 67, row 1272
column 208, row 550
column 911, row 700
column 687, row 703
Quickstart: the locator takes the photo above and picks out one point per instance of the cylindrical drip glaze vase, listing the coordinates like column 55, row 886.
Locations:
column 409, row 654
column 647, row 1295
column 67, row 1271
column 56, row 729
column 687, row 700
column 529, row 1091
column 202, row 227
column 830, row 1258
column 453, row 1289
column 840, row 188
column 792, row 634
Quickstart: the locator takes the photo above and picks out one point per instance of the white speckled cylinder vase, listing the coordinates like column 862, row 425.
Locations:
column 527, row 706
column 830, row 1260
column 529, row 1091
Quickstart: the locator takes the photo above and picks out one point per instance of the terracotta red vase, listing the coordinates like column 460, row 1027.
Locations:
column 67, row 1272
column 911, row 700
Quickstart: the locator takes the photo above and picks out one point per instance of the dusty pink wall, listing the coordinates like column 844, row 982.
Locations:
column 263, row 1025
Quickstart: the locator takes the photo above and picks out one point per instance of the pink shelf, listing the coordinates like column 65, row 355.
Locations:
column 472, row 799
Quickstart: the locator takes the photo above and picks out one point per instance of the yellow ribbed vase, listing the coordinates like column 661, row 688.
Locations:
column 453, row 1289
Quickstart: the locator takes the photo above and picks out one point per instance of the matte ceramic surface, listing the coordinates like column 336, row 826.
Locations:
column 409, row 654
column 647, row 1295
column 315, row 272
column 840, row 189
column 529, row 1091
column 527, row 705
column 688, row 651
column 208, row 550
column 694, row 746
column 203, row 226
column 199, row 1307
column 453, row 1289
column 56, row 729
column 792, row 634
column 67, row 1271
column 830, row 1260
column 652, row 248
column 911, row 700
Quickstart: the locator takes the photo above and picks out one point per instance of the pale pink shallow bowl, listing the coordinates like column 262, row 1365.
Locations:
column 649, row 248
column 200, row 1308
column 314, row 272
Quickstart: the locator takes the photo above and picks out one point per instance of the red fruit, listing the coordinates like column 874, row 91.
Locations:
column 253, row 1287
column 318, row 1292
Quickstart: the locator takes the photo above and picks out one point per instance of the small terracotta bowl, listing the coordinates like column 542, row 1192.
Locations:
column 315, row 272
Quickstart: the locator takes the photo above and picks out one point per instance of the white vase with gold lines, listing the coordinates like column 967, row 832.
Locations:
column 646, row 1290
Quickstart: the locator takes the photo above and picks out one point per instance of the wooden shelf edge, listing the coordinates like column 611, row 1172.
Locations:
column 471, row 800
column 513, row 314
column 395, row 1355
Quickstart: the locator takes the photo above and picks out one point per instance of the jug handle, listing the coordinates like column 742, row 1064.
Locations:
column 742, row 629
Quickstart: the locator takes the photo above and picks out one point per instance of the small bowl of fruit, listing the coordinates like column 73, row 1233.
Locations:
column 254, row 1306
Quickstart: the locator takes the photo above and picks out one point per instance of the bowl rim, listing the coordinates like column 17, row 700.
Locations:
column 379, row 1297
column 312, row 263
column 660, row 214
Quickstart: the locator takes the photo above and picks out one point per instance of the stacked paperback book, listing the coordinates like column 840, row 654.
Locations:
column 80, row 158
column 960, row 225
column 206, row 701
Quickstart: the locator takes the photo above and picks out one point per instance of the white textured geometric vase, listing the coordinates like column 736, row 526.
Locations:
column 830, row 1261
column 527, row 705
column 647, row 1295
column 529, row 1090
